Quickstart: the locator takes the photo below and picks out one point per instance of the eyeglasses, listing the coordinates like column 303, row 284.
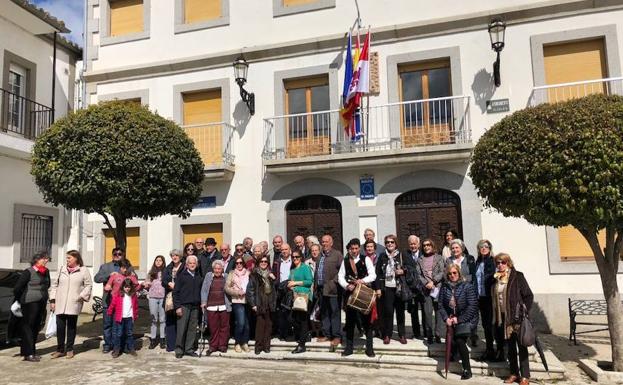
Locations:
column 450, row 274
column 389, row 242
column 239, row 263
column 501, row 262
column 427, row 245
column 485, row 247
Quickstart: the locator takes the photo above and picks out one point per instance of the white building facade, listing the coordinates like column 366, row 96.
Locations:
column 37, row 87
column 290, row 169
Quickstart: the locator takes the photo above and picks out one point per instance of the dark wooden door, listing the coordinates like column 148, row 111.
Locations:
column 315, row 215
column 427, row 213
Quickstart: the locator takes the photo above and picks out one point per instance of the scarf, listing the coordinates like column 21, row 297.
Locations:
column 452, row 303
column 241, row 279
column 72, row 269
column 268, row 288
column 40, row 269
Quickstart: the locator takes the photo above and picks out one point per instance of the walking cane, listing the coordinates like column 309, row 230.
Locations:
column 202, row 327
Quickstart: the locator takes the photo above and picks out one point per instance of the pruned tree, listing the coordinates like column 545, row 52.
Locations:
column 562, row 164
column 120, row 160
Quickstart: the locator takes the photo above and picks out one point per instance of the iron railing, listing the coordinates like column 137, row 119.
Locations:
column 214, row 141
column 418, row 123
column 555, row 93
column 22, row 116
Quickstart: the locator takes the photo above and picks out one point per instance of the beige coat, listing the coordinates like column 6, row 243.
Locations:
column 70, row 291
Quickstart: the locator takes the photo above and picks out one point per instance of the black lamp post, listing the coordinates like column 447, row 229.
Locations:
column 240, row 72
column 497, row 29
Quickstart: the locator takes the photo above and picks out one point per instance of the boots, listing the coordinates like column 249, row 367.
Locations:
column 163, row 343
column 299, row 349
column 153, row 343
column 349, row 349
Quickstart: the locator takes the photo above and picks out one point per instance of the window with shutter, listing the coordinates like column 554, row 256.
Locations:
column 126, row 17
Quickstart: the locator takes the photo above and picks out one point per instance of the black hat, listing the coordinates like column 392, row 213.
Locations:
column 210, row 241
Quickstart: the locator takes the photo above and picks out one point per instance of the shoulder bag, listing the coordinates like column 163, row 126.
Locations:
column 527, row 333
column 300, row 302
column 168, row 299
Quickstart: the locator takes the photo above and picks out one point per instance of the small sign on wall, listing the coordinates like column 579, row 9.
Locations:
column 205, row 202
column 366, row 187
column 498, row 105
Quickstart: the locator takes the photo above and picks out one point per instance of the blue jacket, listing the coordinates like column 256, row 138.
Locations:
column 466, row 303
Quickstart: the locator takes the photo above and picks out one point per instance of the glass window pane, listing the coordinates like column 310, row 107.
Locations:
column 320, row 102
column 412, row 90
column 297, row 125
column 438, row 87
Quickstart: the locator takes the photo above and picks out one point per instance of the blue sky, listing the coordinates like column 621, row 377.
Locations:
column 70, row 11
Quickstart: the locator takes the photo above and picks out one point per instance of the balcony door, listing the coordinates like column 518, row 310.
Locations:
column 307, row 123
column 424, row 121
column 203, row 124
column 16, row 102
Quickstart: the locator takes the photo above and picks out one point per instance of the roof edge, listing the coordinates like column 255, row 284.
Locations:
column 43, row 15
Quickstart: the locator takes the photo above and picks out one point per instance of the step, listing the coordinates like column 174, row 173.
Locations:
column 387, row 359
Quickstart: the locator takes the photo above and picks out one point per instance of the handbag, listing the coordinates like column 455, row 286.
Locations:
column 16, row 309
column 168, row 302
column 403, row 291
column 527, row 334
column 300, row 302
column 50, row 330
column 463, row 329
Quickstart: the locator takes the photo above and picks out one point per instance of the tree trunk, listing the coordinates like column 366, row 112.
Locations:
column 120, row 233
column 615, row 317
column 608, row 265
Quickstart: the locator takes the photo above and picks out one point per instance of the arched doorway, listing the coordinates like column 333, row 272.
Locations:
column 315, row 215
column 427, row 213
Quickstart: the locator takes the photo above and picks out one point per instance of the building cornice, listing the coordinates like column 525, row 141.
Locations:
column 546, row 10
column 43, row 15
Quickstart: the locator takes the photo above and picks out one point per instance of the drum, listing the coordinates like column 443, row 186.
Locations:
column 362, row 299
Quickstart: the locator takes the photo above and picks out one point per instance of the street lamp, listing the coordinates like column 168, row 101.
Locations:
column 497, row 29
column 241, row 68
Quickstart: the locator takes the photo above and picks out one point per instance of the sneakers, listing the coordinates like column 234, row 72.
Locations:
column 237, row 348
column 245, row 348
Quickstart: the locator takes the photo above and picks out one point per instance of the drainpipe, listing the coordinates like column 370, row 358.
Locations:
column 53, row 76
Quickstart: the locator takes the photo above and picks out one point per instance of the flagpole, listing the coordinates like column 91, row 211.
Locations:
column 368, row 110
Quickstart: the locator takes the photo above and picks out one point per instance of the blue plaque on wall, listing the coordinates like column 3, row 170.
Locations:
column 366, row 187
column 205, row 202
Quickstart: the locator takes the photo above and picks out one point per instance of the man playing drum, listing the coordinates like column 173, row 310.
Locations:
column 356, row 270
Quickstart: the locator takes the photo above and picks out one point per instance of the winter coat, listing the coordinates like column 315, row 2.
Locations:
column 32, row 288
column 187, row 289
column 489, row 270
column 115, row 308
column 517, row 293
column 466, row 300
column 438, row 273
column 406, row 264
column 331, row 267
column 70, row 291
column 468, row 267
column 256, row 296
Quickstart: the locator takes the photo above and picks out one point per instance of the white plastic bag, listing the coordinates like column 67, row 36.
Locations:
column 50, row 330
column 16, row 309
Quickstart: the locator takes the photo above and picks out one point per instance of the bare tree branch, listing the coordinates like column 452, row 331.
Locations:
column 106, row 220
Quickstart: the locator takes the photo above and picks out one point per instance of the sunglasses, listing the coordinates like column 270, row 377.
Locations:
column 239, row 249
column 427, row 245
column 117, row 254
column 296, row 256
column 389, row 242
column 485, row 247
column 190, row 249
column 500, row 262
column 450, row 274
column 239, row 263
column 263, row 261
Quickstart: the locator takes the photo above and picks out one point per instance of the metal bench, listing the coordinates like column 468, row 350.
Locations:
column 585, row 307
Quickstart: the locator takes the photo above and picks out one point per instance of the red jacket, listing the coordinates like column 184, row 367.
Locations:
column 116, row 307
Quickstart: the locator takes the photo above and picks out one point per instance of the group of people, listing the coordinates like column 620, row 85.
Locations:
column 298, row 291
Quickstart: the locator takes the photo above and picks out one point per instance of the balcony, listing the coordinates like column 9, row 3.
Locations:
column 555, row 93
column 23, row 117
column 421, row 131
column 215, row 143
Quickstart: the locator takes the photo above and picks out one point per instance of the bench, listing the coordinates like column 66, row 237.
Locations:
column 585, row 307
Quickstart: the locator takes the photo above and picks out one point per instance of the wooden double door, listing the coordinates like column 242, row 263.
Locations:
column 315, row 215
column 427, row 213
